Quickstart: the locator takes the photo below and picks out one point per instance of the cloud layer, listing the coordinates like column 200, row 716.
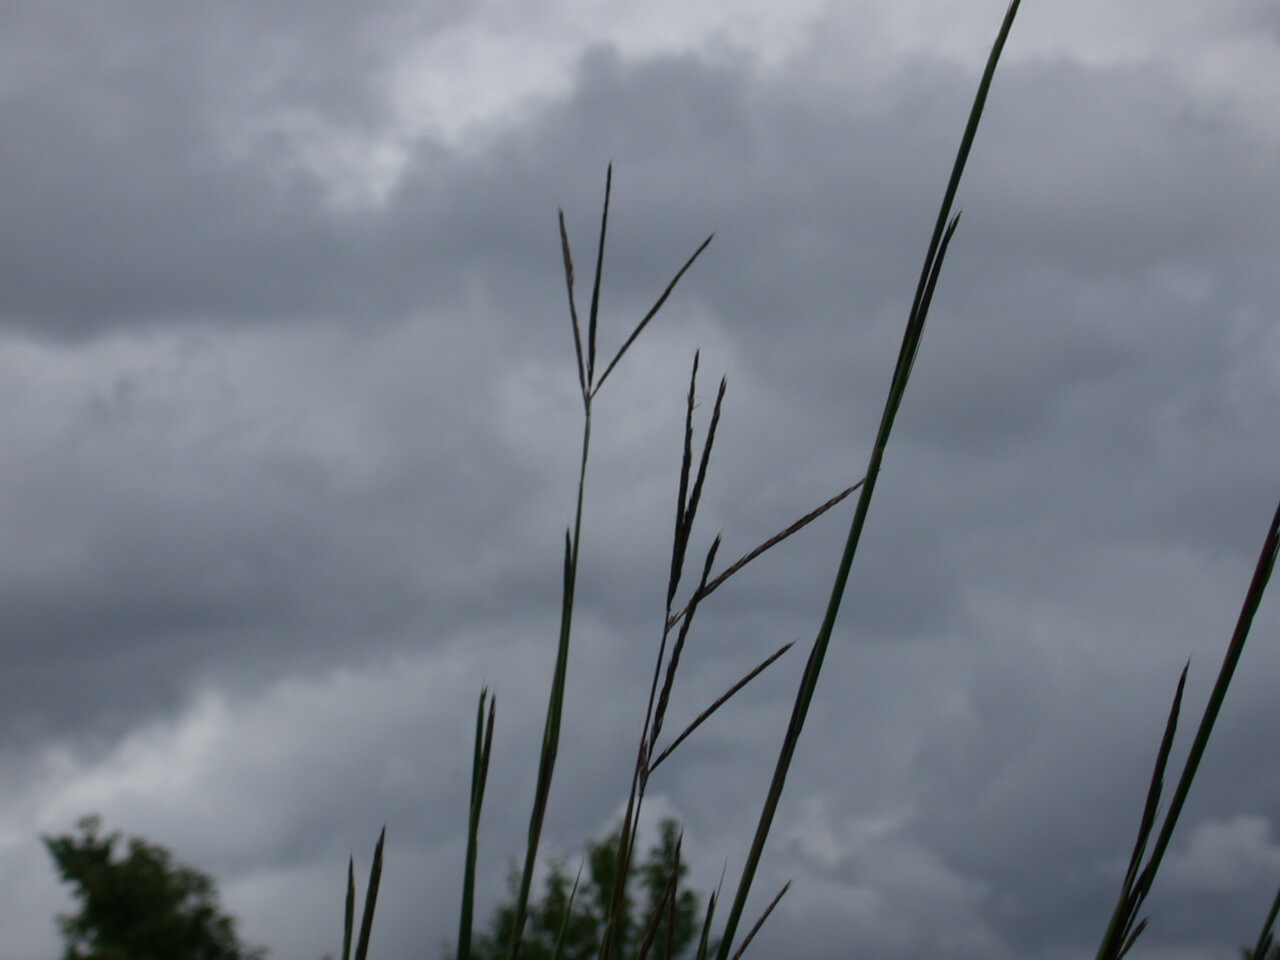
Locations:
column 290, row 434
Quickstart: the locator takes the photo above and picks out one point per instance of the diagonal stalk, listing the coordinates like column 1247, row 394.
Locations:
column 590, row 385
column 479, row 776
column 1266, row 939
column 1117, row 939
column 370, row 899
column 555, row 704
column 943, row 232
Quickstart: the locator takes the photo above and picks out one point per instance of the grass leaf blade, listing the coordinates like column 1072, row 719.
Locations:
column 1262, row 949
column 595, row 287
column 769, row 544
column 1249, row 608
column 370, row 899
column 550, row 733
column 558, row 952
column 695, row 495
column 350, row 913
column 573, row 307
column 479, row 776
column 719, row 702
column 680, row 539
column 915, row 326
column 673, row 663
column 751, row 935
column 966, row 144
column 652, row 312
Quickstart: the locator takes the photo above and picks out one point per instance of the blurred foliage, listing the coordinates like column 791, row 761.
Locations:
column 583, row 921
column 139, row 905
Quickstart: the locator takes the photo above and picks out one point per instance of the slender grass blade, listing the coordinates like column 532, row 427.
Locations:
column 966, row 144
column 672, row 902
column 651, row 314
column 479, row 776
column 680, row 540
column 550, row 740
column 1132, row 938
column 595, row 287
column 1157, row 778
column 1262, row 949
column 695, row 495
column 1121, row 932
column 349, row 920
column 704, row 938
column 370, row 899
column 673, row 664
column 769, row 544
column 666, row 903
column 1113, row 943
column 720, row 701
column 911, row 337
column 746, row 941
column 558, row 952
column 573, row 307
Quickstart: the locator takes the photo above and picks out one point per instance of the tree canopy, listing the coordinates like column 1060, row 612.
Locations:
column 139, row 905
column 583, row 924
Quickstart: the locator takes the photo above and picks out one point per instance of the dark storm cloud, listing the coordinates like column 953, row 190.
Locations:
column 147, row 536
column 134, row 184
column 263, row 434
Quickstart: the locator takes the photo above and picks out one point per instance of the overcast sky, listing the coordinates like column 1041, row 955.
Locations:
column 289, row 426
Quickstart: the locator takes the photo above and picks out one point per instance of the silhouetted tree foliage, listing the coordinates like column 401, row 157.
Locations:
column 584, row 925
column 140, row 905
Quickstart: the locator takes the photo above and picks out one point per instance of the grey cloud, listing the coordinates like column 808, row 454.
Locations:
column 277, row 437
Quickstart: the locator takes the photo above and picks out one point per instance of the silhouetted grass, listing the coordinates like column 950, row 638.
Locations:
column 1124, row 925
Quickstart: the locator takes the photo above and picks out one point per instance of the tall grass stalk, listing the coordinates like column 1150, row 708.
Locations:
column 687, row 499
column 479, row 777
column 690, row 491
column 1125, row 926
column 590, row 385
column 370, row 901
column 944, row 229
column 1266, row 939
column 678, row 617
column 681, row 618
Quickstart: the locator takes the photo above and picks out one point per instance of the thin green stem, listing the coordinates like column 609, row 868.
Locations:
column 479, row 776
column 555, row 704
column 910, row 343
column 1262, row 949
column 1133, row 893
